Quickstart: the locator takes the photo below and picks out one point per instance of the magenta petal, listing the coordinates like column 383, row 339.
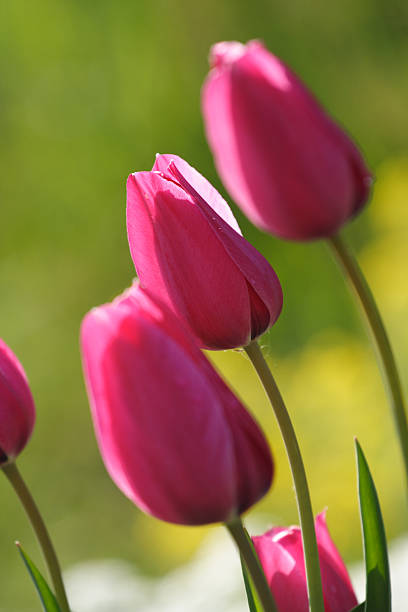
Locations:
column 17, row 411
column 263, row 285
column 292, row 170
column 173, row 437
column 196, row 262
column 216, row 94
column 339, row 593
column 280, row 551
column 200, row 184
column 177, row 256
column 187, row 248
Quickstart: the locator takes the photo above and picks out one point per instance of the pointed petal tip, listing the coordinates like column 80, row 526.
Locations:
column 321, row 517
column 225, row 53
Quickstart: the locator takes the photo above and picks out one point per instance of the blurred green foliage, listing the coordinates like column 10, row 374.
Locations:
column 90, row 91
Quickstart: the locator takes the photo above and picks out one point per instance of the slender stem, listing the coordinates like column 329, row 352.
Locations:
column 312, row 566
column 248, row 554
column 385, row 356
column 12, row 473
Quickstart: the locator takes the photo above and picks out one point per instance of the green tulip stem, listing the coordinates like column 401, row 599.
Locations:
column 252, row 563
column 12, row 473
column 312, row 565
column 385, row 356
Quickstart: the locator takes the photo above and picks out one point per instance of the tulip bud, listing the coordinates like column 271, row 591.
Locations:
column 280, row 551
column 188, row 249
column 172, row 435
column 290, row 168
column 17, row 411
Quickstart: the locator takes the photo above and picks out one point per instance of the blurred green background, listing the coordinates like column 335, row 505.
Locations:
column 89, row 92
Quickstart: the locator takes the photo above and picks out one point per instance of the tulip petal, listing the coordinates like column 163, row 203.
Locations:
column 177, row 255
column 216, row 94
column 327, row 544
column 173, row 437
column 200, row 184
column 252, row 455
column 280, row 551
column 187, row 247
column 17, row 411
column 291, row 169
column 286, row 576
column 140, row 452
column 261, row 278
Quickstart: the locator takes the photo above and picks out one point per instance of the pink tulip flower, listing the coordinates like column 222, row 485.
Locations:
column 290, row 168
column 188, row 249
column 17, row 411
column 280, row 551
column 172, row 435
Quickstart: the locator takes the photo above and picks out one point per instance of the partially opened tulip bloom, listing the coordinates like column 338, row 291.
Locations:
column 17, row 411
column 290, row 168
column 173, row 437
column 188, row 249
column 281, row 554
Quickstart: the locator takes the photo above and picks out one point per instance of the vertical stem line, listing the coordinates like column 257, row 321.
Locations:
column 252, row 563
column 384, row 353
column 310, row 552
column 13, row 475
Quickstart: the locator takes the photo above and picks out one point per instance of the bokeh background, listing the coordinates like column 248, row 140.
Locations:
column 89, row 92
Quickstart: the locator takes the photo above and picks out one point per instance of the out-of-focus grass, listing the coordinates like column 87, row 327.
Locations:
column 90, row 92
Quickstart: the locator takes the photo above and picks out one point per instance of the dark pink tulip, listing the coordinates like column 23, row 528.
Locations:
column 172, row 435
column 280, row 551
column 188, row 249
column 17, row 411
column 290, row 168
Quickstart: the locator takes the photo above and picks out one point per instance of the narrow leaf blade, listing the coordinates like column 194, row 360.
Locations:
column 252, row 596
column 378, row 586
column 47, row 597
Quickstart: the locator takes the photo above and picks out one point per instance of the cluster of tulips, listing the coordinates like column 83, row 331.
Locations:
column 173, row 436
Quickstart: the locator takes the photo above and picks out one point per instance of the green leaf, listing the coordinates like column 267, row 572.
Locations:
column 252, row 596
column 46, row 595
column 359, row 608
column 378, row 586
